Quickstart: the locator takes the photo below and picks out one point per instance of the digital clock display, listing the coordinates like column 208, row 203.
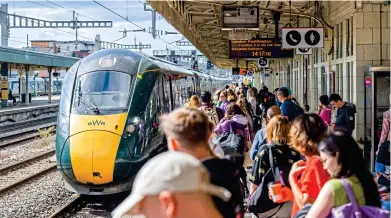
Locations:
column 260, row 48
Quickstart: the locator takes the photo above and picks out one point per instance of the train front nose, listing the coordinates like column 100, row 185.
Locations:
column 93, row 154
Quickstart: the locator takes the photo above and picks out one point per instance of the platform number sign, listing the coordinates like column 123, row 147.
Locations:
column 263, row 62
column 302, row 37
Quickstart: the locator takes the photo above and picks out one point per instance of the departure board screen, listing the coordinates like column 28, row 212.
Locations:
column 265, row 48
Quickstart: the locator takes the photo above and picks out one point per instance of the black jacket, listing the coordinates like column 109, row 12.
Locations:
column 225, row 174
column 345, row 117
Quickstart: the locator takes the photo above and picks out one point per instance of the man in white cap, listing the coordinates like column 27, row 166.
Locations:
column 172, row 184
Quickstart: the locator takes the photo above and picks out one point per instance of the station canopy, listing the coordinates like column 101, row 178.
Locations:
column 201, row 22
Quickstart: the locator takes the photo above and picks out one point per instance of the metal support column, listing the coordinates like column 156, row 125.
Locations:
column 27, row 68
column 4, row 84
column 50, row 84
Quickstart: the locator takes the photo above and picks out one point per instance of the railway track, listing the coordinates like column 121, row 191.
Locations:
column 90, row 206
column 24, row 171
column 16, row 136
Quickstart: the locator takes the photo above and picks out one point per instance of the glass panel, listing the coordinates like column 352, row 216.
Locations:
column 102, row 90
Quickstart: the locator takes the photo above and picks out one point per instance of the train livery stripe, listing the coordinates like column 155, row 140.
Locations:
column 93, row 146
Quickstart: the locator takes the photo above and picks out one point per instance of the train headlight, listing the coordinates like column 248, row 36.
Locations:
column 130, row 128
column 132, row 125
column 63, row 125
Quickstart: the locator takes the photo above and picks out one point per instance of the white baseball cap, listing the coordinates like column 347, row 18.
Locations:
column 176, row 172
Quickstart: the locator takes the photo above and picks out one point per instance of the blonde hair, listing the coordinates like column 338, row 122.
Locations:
column 277, row 131
column 306, row 133
column 194, row 102
column 242, row 104
column 188, row 126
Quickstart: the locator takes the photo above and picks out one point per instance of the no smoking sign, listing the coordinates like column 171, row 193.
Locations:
column 302, row 37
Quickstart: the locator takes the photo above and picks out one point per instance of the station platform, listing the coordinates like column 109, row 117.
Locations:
column 38, row 108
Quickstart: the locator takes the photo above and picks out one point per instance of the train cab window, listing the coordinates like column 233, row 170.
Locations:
column 102, row 92
column 66, row 92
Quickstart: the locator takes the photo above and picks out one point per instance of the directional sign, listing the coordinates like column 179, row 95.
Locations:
column 261, row 48
column 263, row 62
column 302, row 51
column 302, row 37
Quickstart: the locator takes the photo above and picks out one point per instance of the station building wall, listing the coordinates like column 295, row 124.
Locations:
column 360, row 37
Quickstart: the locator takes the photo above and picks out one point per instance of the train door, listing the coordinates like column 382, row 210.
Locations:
column 377, row 101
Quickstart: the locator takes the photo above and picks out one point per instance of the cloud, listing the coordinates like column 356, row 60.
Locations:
column 133, row 9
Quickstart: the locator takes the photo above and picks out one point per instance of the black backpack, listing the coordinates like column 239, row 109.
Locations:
column 257, row 123
column 260, row 201
column 298, row 110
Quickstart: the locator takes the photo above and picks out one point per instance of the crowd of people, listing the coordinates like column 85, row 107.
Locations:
column 302, row 164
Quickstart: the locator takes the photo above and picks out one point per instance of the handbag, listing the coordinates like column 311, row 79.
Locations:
column 260, row 202
column 232, row 144
column 353, row 210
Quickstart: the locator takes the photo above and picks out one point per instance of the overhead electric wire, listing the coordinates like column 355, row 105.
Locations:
column 159, row 37
column 41, row 4
column 71, row 10
column 118, row 15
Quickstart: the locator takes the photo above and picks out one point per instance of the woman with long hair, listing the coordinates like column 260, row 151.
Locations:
column 224, row 100
column 216, row 98
column 342, row 159
column 236, row 121
column 307, row 178
column 277, row 134
column 231, row 95
column 252, row 99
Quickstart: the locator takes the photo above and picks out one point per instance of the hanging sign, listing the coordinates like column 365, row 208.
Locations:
column 307, row 37
column 262, row 48
column 263, row 63
column 303, row 51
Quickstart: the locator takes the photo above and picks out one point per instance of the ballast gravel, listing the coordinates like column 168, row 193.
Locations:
column 25, row 150
column 38, row 198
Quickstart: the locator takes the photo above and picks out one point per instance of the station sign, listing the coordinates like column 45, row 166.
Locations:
column 304, row 51
column 263, row 63
column 260, row 48
column 306, row 37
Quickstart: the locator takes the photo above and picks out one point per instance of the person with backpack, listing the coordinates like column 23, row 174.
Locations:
column 345, row 114
column 214, row 113
column 277, row 153
column 288, row 109
column 260, row 136
column 188, row 131
column 351, row 181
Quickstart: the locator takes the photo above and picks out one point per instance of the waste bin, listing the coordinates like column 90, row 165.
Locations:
column 24, row 97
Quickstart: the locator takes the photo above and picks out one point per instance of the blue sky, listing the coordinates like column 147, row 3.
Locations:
column 133, row 9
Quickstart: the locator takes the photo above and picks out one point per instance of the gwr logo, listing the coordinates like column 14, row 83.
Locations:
column 96, row 123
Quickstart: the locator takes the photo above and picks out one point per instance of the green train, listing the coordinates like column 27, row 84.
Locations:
column 108, row 124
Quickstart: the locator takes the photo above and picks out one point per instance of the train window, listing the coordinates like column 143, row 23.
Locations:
column 67, row 88
column 106, row 91
column 167, row 92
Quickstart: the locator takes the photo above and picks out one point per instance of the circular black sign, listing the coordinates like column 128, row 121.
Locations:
column 293, row 37
column 312, row 37
column 304, row 50
column 262, row 62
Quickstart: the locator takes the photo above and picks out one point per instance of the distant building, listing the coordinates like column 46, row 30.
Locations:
column 65, row 48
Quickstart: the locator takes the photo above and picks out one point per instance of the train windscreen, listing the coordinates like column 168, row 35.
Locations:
column 104, row 92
